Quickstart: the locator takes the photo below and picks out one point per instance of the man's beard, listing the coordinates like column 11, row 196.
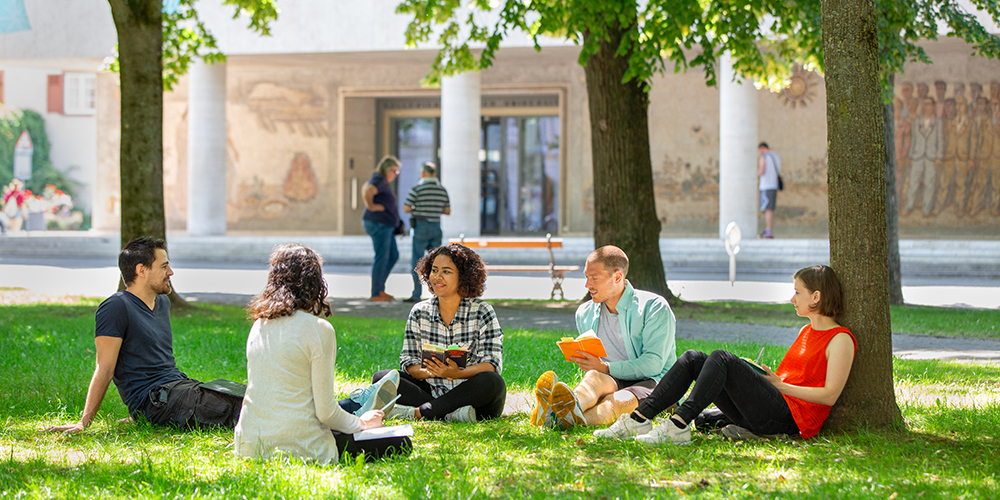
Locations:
column 163, row 288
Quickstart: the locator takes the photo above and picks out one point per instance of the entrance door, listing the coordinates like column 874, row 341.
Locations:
column 520, row 175
column 415, row 141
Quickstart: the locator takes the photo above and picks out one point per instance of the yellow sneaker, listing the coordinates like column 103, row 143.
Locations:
column 564, row 407
column 543, row 390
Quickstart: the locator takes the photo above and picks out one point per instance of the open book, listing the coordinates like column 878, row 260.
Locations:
column 384, row 432
column 586, row 342
column 456, row 353
column 756, row 364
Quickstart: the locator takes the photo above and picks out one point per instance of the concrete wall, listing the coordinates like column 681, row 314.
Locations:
column 72, row 138
column 63, row 29
column 288, row 154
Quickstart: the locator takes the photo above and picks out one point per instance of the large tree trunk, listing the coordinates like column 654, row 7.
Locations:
column 624, row 203
column 140, row 54
column 857, row 200
column 892, row 199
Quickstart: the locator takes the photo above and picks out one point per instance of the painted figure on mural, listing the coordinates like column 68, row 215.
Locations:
column 922, row 92
column 993, row 202
column 911, row 110
column 958, row 135
column 926, row 153
column 939, row 89
column 982, row 151
column 906, row 93
column 901, row 128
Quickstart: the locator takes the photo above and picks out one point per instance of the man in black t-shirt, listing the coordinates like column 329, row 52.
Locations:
column 135, row 350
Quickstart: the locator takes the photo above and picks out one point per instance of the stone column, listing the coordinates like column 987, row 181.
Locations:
column 460, row 167
column 738, row 194
column 206, row 208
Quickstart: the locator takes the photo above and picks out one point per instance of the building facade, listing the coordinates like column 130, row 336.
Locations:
column 281, row 137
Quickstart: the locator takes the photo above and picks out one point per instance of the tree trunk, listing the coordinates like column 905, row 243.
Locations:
column 857, row 201
column 892, row 198
column 624, row 202
column 140, row 53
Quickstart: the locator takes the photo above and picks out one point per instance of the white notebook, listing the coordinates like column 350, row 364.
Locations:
column 384, row 432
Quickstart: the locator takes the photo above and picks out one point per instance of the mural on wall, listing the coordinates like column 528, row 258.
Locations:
column 295, row 197
column 301, row 111
column 947, row 152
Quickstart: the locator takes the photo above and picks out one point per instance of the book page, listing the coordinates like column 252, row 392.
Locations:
column 384, row 432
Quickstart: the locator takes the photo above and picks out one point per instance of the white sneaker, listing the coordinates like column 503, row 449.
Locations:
column 624, row 427
column 667, row 432
column 463, row 414
column 402, row 412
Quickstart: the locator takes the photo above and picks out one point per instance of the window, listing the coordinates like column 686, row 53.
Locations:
column 78, row 92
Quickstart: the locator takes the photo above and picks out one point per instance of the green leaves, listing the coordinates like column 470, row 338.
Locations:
column 185, row 37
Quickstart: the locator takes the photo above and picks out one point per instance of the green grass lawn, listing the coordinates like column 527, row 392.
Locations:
column 923, row 320
column 949, row 449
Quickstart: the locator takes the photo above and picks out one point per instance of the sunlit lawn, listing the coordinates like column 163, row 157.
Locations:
column 949, row 449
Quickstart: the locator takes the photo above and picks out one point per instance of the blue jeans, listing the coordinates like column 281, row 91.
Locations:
column 426, row 237
column 386, row 253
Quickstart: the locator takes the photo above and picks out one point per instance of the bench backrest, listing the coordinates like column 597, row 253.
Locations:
column 547, row 242
column 506, row 243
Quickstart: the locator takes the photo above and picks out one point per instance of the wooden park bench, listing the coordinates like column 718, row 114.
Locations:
column 557, row 273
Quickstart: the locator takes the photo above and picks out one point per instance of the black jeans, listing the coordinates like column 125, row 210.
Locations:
column 373, row 449
column 743, row 395
column 185, row 404
column 485, row 391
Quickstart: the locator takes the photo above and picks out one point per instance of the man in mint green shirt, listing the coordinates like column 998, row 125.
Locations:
column 637, row 329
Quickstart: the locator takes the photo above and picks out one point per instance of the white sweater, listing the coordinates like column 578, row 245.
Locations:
column 290, row 403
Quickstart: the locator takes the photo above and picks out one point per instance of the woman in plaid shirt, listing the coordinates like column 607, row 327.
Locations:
column 455, row 315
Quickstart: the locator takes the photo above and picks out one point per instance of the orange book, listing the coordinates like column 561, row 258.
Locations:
column 587, row 342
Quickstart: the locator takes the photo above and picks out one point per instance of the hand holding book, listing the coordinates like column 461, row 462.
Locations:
column 586, row 342
column 456, row 353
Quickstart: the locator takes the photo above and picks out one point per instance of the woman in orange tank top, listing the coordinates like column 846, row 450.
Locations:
column 794, row 399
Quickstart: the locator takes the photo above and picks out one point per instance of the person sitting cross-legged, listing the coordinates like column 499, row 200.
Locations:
column 794, row 399
column 436, row 390
column 637, row 330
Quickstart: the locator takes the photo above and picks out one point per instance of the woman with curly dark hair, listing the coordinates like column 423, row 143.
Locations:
column 289, row 405
column 454, row 317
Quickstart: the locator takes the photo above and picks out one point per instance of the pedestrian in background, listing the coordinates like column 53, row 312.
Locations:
column 768, row 169
column 425, row 203
column 381, row 218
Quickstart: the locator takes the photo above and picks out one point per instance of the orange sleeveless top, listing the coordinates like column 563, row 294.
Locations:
column 805, row 365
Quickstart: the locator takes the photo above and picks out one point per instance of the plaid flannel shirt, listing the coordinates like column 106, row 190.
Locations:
column 474, row 327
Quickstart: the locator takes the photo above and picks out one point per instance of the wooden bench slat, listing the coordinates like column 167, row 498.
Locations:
column 481, row 243
column 529, row 269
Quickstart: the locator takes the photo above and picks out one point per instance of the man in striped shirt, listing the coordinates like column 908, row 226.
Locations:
column 425, row 203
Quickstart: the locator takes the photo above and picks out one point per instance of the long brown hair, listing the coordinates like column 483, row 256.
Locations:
column 294, row 282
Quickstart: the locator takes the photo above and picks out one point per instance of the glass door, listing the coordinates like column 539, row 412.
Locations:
column 414, row 141
column 520, row 175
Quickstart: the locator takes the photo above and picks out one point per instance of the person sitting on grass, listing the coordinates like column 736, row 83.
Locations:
column 289, row 404
column 794, row 399
column 455, row 315
column 135, row 348
column 637, row 330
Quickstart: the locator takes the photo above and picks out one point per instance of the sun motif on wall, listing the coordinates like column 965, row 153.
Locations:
column 801, row 89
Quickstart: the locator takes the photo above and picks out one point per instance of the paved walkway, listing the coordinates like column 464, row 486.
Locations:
column 904, row 345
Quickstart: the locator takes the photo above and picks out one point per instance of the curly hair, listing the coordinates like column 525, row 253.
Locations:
column 471, row 270
column 294, row 282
